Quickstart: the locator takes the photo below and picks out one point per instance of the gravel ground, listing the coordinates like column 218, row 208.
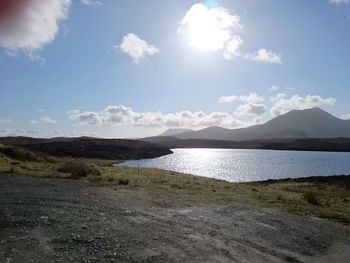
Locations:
column 63, row 220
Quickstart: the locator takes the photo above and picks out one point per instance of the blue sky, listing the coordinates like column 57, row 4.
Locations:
column 135, row 68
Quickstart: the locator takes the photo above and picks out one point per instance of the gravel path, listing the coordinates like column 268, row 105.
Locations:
column 63, row 220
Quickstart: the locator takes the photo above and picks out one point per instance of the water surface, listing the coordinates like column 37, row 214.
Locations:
column 249, row 165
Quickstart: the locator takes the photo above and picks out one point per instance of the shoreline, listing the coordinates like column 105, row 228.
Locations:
column 325, row 196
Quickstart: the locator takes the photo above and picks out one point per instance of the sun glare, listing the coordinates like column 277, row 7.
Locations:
column 208, row 28
column 204, row 34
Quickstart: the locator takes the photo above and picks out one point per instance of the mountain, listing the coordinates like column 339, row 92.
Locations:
column 298, row 124
column 172, row 132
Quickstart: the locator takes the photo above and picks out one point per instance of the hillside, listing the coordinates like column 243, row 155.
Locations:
column 85, row 147
column 172, row 132
column 310, row 123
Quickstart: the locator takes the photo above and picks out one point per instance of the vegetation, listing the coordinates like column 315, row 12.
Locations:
column 312, row 197
column 77, row 169
column 86, row 147
column 326, row 197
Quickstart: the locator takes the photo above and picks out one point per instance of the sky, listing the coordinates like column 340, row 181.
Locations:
column 131, row 68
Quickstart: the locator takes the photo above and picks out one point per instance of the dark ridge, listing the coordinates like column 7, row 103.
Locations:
column 332, row 144
column 85, row 147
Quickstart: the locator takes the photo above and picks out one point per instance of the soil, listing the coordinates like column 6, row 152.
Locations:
column 65, row 220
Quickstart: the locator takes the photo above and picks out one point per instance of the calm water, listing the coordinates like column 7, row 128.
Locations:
column 249, row 165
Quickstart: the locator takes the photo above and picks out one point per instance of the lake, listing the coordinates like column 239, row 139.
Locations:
column 249, row 165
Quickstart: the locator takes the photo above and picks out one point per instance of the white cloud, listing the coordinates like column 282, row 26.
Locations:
column 228, row 99
column 251, row 109
column 216, row 29
column 231, row 48
column 265, row 56
column 274, row 89
column 278, row 104
column 44, row 119
column 87, row 117
column 5, row 121
column 122, row 115
column 277, row 97
column 251, row 98
column 208, row 28
column 297, row 102
column 31, row 133
column 136, row 48
column 346, row 116
column 35, row 25
column 339, row 2
column 91, row 2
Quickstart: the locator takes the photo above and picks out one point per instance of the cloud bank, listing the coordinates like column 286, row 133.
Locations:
column 251, row 98
column 122, row 115
column 297, row 102
column 255, row 105
column 252, row 105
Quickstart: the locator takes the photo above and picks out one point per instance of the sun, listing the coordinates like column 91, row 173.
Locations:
column 205, row 34
column 208, row 28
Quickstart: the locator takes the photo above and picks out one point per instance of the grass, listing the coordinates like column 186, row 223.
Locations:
column 312, row 198
column 324, row 200
column 77, row 169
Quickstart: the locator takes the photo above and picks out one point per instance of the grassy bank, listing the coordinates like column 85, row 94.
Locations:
column 321, row 198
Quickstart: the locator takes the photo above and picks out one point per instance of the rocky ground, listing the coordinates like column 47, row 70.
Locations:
column 65, row 220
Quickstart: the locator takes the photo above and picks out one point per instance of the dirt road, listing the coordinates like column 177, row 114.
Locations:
column 63, row 220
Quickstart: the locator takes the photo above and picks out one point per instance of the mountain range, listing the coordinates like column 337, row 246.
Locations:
column 297, row 124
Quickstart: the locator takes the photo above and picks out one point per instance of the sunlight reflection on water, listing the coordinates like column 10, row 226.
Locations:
column 249, row 165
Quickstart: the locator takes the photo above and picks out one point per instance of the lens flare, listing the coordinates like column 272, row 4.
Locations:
column 9, row 8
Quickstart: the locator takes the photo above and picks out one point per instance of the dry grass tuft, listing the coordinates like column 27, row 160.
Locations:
column 77, row 169
column 312, row 198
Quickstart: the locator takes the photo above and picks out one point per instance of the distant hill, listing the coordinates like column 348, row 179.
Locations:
column 85, row 147
column 312, row 129
column 332, row 145
column 310, row 123
column 172, row 132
